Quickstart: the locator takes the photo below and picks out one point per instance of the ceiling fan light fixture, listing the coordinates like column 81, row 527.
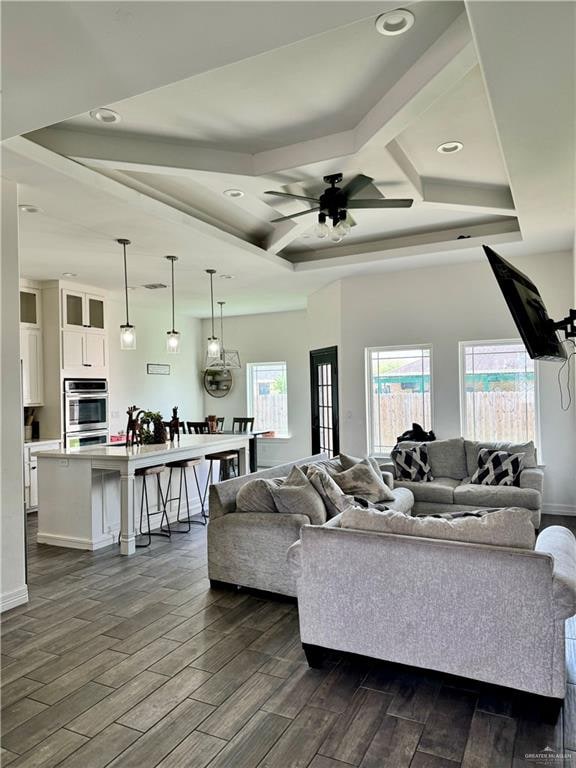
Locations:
column 393, row 23
column 322, row 230
column 449, row 147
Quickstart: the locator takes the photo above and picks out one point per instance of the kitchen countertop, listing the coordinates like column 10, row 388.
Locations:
column 204, row 444
column 40, row 440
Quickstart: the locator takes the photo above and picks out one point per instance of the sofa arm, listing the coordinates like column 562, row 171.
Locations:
column 533, row 477
column 294, row 558
column 387, row 469
column 560, row 543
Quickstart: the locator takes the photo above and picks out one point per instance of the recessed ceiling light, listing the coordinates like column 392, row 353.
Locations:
column 450, row 147
column 233, row 193
column 394, row 22
column 226, row 277
column 30, row 208
column 69, row 274
column 105, row 115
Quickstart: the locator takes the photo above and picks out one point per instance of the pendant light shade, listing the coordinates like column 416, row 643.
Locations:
column 214, row 348
column 127, row 331
column 172, row 337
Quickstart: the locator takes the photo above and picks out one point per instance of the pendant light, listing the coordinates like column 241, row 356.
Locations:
column 213, row 350
column 127, row 331
column 230, row 357
column 172, row 337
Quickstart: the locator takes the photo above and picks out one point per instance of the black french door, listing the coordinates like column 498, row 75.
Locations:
column 324, row 400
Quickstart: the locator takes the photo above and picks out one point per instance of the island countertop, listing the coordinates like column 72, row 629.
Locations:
column 203, row 444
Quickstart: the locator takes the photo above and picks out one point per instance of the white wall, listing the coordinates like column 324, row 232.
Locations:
column 13, row 590
column 276, row 337
column 442, row 306
column 129, row 384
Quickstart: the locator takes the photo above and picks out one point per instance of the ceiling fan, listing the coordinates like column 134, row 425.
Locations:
column 335, row 202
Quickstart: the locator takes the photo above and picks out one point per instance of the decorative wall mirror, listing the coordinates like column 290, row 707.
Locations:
column 218, row 383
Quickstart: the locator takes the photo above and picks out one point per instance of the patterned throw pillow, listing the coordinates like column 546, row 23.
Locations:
column 412, row 463
column 498, row 467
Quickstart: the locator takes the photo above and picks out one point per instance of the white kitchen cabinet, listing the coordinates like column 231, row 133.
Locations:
column 31, row 469
column 32, row 366
column 83, row 352
column 30, row 307
column 82, row 311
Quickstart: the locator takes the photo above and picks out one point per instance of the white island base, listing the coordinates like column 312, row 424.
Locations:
column 90, row 495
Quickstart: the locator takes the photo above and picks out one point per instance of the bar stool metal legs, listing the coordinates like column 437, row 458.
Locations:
column 163, row 531
column 183, row 481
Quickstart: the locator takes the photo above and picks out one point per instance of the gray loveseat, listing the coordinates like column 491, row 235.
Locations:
column 249, row 548
column 479, row 611
column 454, row 461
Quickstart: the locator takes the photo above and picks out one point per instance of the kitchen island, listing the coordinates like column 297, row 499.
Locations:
column 86, row 495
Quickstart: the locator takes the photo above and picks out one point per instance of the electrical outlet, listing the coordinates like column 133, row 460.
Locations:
column 63, row 462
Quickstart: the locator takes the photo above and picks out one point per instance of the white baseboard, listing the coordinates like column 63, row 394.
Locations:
column 73, row 542
column 559, row 509
column 13, row 599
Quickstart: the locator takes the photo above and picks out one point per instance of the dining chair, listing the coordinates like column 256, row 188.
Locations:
column 242, row 424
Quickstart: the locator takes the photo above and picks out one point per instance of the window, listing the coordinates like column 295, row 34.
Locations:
column 268, row 396
column 498, row 391
column 398, row 385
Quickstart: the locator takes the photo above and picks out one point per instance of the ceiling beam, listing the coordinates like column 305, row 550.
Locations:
column 475, row 198
column 493, row 233
column 404, row 165
column 154, row 207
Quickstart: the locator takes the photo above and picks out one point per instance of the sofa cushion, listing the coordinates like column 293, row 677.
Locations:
column 472, row 449
column 447, row 457
column 298, row 496
column 412, row 463
column 497, row 468
column 363, row 481
column 256, row 496
column 497, row 496
column 439, row 490
column 504, row 528
column 334, row 498
column 403, row 500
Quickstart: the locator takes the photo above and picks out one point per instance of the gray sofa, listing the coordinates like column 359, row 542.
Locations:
column 489, row 613
column 454, row 461
column 249, row 548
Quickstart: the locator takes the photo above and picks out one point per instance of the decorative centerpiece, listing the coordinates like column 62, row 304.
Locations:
column 144, row 427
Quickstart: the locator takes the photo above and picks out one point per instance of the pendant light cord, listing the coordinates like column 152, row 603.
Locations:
column 212, row 301
column 172, row 262
column 126, row 284
column 221, row 329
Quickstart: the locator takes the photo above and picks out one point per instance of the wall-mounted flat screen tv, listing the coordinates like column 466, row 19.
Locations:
column 528, row 310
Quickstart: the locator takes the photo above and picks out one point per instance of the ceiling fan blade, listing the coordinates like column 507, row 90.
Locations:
column 357, row 184
column 384, row 203
column 293, row 215
column 289, row 194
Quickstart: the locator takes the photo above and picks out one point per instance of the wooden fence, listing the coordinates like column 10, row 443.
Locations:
column 497, row 416
column 270, row 412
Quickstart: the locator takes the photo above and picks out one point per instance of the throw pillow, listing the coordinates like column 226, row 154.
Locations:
column 361, row 480
column 412, row 463
column 350, row 461
column 297, row 496
column 255, row 495
column 334, row 498
column 498, row 467
column 510, row 527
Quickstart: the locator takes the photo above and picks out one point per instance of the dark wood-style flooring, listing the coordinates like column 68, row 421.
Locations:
column 136, row 662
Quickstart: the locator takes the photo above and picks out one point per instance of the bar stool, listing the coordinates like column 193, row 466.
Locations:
column 183, row 465
column 144, row 473
column 226, row 458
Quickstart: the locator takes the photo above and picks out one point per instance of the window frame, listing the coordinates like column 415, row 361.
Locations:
column 249, row 387
column 462, row 387
column 368, row 389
